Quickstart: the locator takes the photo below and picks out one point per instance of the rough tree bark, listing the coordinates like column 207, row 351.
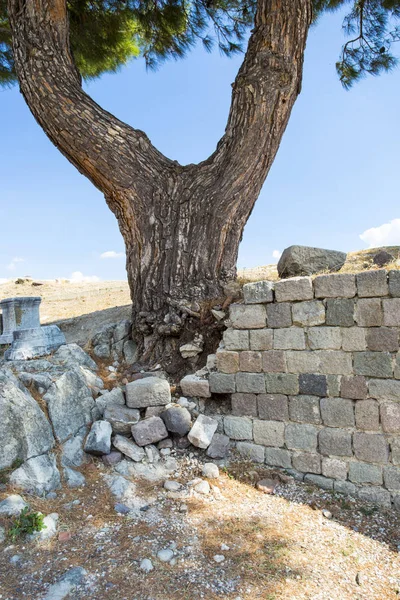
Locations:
column 181, row 224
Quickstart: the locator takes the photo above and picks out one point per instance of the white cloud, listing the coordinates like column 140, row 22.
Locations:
column 387, row 234
column 112, row 254
column 12, row 265
column 276, row 254
column 78, row 277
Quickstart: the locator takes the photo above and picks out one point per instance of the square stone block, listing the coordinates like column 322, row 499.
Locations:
column 244, row 405
column 222, row 383
column 394, row 283
column 295, row 288
column 333, row 385
column 372, row 283
column 353, row 387
column 335, row 468
column 335, row 362
column 340, row 285
column 236, row 339
column 335, row 442
column 251, row 451
column 365, row 473
column 381, row 389
column 238, row 428
column 307, row 463
column 391, row 477
column 279, row 315
column 354, row 339
column 269, row 433
column 308, row 314
column 274, row 361
column 290, row 338
column 282, row 383
column 252, row 383
column 391, row 312
column 304, row 409
column 367, row 415
column 390, row 417
column 313, row 385
column 244, row 316
column 382, row 339
column 375, row 495
column 369, row 312
column 250, row 361
column 261, row 339
column 302, row 361
column 318, row 480
column 258, row 292
column 324, row 338
column 227, row 361
column 273, row 407
column 337, row 412
column 340, row 312
column 301, row 437
column 345, row 487
column 277, row 457
column 373, row 364
column 371, row 447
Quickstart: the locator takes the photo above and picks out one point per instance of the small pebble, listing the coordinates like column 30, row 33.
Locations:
column 210, row 470
column 146, row 565
column 172, row 486
column 224, row 547
column 219, row 558
column 327, row 514
column 165, row 555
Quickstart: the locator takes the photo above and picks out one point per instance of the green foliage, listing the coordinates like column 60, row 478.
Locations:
column 26, row 523
column 106, row 34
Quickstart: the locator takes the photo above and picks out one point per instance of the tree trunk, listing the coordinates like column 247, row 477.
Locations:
column 182, row 225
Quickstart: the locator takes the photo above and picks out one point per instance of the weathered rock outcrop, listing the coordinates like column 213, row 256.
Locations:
column 305, row 260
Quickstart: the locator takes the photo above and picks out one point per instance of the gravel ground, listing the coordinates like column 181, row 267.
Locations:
column 274, row 546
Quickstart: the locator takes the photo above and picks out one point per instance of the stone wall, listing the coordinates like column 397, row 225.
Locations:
column 312, row 367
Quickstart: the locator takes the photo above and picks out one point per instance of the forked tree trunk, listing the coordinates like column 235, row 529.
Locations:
column 181, row 224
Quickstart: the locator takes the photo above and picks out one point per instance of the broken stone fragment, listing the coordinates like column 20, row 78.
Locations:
column 202, row 431
column 149, row 431
column 121, row 418
column 129, row 448
column 38, row 475
column 98, row 441
column 150, row 391
column 177, row 419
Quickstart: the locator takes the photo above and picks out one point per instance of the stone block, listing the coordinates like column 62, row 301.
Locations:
column 311, row 384
column 373, row 364
column 367, row 415
column 308, row 314
column 261, row 339
column 390, row 417
column 391, row 477
column 274, row 361
column 391, row 312
column 238, row 428
column 369, row 312
column 202, row 431
column 149, row 431
column 304, row 409
column 301, row 437
column 290, row 338
column 193, row 386
column 382, row 339
column 395, row 449
column 244, row 316
column 273, row 407
column 340, row 312
column 177, row 419
column 258, row 292
column 219, row 446
column 335, row 442
column 335, row 362
column 282, row 383
column 236, row 339
column 250, row 361
column 222, row 383
column 296, row 288
column 334, row 468
column 345, row 487
column 372, row 283
column 302, row 361
column 353, row 387
column 394, row 283
column 251, row 451
column 277, row 457
column 324, row 338
column 307, row 463
column 128, row 448
column 244, row 405
column 227, row 361
column 354, row 339
column 279, row 315
column 381, row 389
column 98, row 441
column 318, row 480
column 397, row 366
column 337, row 412
column 333, row 385
column 342, row 285
column 371, row 447
column 365, row 473
column 375, row 495
column 269, row 433
column 251, row 383
column 121, row 418
column 150, row 391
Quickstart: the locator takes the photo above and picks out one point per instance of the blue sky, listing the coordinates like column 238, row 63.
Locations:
column 335, row 178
